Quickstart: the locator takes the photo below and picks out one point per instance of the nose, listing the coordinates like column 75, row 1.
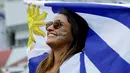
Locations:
column 50, row 28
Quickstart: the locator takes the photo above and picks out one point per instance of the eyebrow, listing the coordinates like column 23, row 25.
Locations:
column 60, row 21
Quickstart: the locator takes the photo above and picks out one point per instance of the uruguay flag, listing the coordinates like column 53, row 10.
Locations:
column 107, row 48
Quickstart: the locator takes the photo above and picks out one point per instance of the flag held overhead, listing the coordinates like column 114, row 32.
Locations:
column 107, row 48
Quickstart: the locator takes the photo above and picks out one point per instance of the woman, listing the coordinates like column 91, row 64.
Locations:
column 66, row 37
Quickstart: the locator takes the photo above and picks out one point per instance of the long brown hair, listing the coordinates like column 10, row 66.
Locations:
column 79, row 30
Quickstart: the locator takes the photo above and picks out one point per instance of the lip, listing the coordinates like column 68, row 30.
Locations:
column 51, row 34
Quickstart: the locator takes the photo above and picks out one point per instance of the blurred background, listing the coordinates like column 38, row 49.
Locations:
column 14, row 34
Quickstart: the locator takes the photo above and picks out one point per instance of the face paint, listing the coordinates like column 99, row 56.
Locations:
column 62, row 34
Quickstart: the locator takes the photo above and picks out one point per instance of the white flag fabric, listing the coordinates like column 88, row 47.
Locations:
column 107, row 48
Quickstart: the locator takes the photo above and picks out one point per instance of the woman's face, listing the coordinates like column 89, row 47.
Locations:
column 59, row 31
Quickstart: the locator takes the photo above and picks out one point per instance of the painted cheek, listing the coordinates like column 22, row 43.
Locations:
column 62, row 33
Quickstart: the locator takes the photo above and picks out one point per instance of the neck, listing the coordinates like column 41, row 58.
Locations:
column 58, row 53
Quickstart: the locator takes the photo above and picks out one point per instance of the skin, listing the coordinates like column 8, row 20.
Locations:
column 59, row 39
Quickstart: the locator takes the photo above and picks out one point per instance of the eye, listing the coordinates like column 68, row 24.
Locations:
column 48, row 24
column 57, row 24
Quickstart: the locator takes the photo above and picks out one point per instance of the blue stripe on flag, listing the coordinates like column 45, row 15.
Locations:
column 82, row 63
column 34, row 62
column 119, row 13
column 83, row 5
column 103, row 56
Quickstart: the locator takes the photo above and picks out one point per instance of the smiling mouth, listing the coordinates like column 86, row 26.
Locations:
column 50, row 35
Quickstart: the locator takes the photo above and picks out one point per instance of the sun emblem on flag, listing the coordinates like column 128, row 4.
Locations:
column 35, row 21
